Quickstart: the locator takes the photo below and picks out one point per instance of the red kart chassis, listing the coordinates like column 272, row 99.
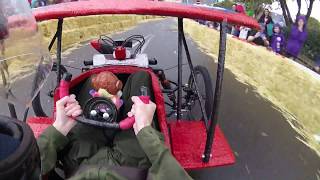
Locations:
column 195, row 144
column 186, row 139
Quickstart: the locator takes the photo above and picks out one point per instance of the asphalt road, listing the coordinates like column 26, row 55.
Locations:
column 265, row 145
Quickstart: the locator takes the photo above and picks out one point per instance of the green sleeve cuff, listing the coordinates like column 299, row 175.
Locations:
column 58, row 140
column 151, row 142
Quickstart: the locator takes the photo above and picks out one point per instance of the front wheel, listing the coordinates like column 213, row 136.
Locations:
column 205, row 87
column 37, row 102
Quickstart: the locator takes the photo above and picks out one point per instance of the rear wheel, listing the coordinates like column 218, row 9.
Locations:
column 205, row 87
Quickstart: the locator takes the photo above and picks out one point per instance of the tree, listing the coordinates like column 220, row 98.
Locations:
column 309, row 9
column 299, row 7
column 255, row 5
column 286, row 13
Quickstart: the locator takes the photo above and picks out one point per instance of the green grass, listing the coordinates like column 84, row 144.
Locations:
column 292, row 90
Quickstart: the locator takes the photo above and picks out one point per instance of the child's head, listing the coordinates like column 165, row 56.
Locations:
column 277, row 28
column 301, row 21
column 234, row 7
column 266, row 12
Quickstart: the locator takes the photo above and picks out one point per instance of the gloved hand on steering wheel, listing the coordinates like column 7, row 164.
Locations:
column 67, row 108
column 143, row 113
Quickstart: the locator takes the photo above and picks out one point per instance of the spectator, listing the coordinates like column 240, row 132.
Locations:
column 239, row 9
column 38, row 3
column 297, row 37
column 267, row 21
column 234, row 7
column 244, row 32
column 265, row 18
column 277, row 39
column 259, row 37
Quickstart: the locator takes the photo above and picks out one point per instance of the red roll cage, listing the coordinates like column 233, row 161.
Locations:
column 181, row 11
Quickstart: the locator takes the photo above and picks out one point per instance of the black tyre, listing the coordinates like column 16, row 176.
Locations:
column 204, row 83
column 37, row 108
column 24, row 162
column 36, row 103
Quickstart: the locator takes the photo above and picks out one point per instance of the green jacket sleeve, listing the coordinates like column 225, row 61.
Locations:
column 50, row 142
column 164, row 165
column 98, row 173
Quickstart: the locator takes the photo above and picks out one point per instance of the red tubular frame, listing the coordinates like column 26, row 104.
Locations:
column 179, row 146
column 186, row 145
column 141, row 7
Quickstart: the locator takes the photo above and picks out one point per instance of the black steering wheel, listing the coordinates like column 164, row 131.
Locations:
column 100, row 112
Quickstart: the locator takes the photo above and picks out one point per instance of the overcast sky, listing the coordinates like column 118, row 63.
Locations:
column 294, row 8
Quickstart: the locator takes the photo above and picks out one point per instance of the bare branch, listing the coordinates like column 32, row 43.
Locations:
column 309, row 9
column 299, row 7
column 286, row 12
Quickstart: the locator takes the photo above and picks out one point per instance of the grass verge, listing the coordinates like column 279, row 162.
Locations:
column 294, row 90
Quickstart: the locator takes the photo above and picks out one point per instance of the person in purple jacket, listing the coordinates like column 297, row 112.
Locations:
column 297, row 37
column 277, row 39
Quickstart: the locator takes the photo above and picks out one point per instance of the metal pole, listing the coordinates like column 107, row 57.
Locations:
column 53, row 40
column 12, row 110
column 217, row 93
column 40, row 111
column 4, row 69
column 202, row 106
column 11, row 107
column 25, row 115
column 59, row 49
column 179, row 104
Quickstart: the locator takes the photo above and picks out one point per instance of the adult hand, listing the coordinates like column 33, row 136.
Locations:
column 142, row 112
column 67, row 109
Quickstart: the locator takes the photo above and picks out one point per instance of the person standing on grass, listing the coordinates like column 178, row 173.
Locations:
column 239, row 9
column 265, row 19
column 298, row 35
column 277, row 39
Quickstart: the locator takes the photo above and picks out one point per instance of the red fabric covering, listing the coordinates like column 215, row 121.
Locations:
column 141, row 7
column 39, row 124
column 188, row 139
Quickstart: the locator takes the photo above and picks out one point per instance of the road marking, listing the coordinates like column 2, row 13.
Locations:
column 147, row 43
column 264, row 134
column 236, row 153
column 247, row 168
